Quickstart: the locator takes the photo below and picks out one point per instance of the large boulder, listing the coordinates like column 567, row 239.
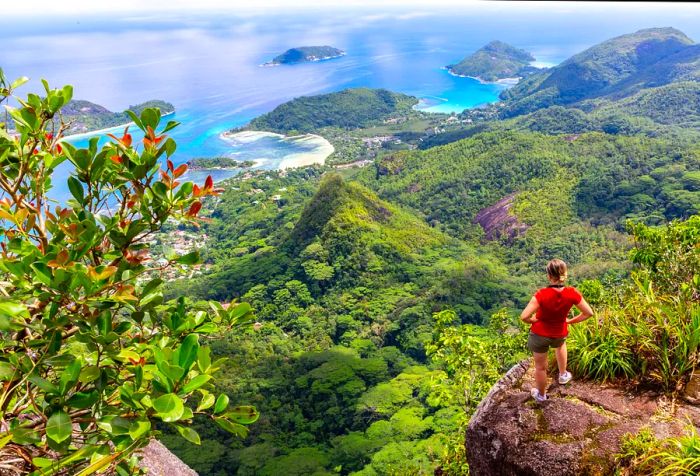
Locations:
column 576, row 431
column 160, row 461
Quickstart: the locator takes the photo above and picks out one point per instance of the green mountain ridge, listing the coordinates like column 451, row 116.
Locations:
column 347, row 109
column 494, row 61
column 614, row 68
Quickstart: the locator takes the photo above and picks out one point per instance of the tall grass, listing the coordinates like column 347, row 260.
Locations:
column 648, row 337
column 644, row 454
column 652, row 339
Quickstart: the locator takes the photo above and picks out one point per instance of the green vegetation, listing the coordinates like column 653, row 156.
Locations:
column 496, row 60
column 348, row 109
column 615, row 68
column 650, row 330
column 383, row 313
column 200, row 163
column 94, row 362
column 307, row 53
column 84, row 116
column 643, row 454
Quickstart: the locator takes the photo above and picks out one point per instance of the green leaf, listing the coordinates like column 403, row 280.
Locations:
column 76, row 189
column 240, row 313
column 42, row 273
column 151, row 286
column 204, row 359
column 12, row 309
column 5, row 439
column 189, row 258
column 67, row 92
column 173, row 372
column 43, row 384
column 207, row 401
column 59, row 426
column 170, row 125
column 189, row 434
column 150, row 117
column 7, row 371
column 221, row 403
column 69, row 377
column 139, row 428
column 188, row 351
column 233, row 428
column 195, row 383
column 245, row 415
column 136, row 120
column 81, row 400
column 169, row 407
column 19, row 82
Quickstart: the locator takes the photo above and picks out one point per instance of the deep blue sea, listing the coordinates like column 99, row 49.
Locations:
column 207, row 64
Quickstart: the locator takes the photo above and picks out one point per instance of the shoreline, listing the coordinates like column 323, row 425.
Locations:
column 83, row 135
column 501, row 82
column 322, row 151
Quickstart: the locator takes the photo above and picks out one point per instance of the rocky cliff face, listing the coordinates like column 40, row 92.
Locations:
column 576, row 431
column 159, row 461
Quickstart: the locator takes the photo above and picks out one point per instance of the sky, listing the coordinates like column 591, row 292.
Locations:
column 81, row 7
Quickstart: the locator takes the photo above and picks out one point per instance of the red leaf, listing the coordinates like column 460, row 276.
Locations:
column 196, row 191
column 208, row 183
column 170, row 165
column 194, row 209
column 180, row 170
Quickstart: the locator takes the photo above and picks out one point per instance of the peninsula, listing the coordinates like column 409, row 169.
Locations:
column 208, row 163
column 306, row 54
column 495, row 62
column 85, row 116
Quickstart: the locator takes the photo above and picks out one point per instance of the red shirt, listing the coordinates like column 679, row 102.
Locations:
column 554, row 307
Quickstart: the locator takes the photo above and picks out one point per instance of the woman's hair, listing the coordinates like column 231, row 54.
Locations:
column 556, row 269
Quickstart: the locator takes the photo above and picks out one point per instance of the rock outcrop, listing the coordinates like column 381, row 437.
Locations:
column 576, row 431
column 498, row 222
column 160, row 461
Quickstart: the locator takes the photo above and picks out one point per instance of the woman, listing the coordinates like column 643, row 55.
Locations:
column 549, row 326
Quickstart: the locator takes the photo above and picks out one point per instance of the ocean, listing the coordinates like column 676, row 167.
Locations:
column 208, row 65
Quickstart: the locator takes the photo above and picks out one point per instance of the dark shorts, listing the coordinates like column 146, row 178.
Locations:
column 541, row 344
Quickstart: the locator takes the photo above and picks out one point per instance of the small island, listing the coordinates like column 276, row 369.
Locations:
column 305, row 54
column 207, row 163
column 495, row 62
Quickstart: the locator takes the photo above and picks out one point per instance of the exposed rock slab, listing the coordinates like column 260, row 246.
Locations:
column 576, row 431
column 498, row 222
column 160, row 461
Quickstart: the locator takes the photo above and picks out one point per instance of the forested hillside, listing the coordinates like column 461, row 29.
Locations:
column 615, row 68
column 348, row 109
column 494, row 61
column 381, row 296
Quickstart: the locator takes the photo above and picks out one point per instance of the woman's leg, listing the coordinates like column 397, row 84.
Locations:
column 560, row 352
column 540, row 371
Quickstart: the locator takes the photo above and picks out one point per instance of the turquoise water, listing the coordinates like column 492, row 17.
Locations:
column 208, row 65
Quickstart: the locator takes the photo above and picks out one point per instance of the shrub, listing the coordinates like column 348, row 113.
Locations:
column 650, row 333
column 92, row 358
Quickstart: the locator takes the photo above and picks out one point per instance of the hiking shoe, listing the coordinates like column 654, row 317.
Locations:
column 537, row 396
column 565, row 378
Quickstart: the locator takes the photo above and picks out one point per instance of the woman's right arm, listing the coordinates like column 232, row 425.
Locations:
column 586, row 312
column 528, row 313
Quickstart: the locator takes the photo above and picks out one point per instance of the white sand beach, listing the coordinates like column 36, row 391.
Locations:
column 317, row 155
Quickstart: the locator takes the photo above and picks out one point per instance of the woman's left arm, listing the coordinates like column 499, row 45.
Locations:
column 528, row 314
